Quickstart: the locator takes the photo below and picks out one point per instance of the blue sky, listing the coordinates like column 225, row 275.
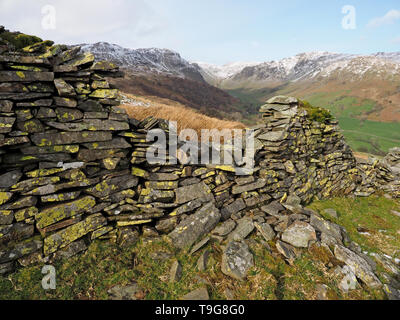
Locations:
column 214, row 31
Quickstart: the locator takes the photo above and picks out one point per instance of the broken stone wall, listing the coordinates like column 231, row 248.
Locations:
column 73, row 166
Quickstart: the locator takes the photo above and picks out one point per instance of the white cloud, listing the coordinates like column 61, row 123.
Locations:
column 388, row 18
column 120, row 21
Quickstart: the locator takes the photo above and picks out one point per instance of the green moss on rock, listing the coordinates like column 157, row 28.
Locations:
column 316, row 113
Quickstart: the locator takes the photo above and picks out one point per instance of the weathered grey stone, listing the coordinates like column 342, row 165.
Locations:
column 331, row 212
column 65, row 102
column 396, row 213
column 6, row 124
column 127, row 236
column 120, row 293
column 59, row 212
column 87, row 155
column 61, row 138
column 196, row 191
column 273, row 136
column 22, row 202
column 237, row 260
column 199, row 245
column 6, row 267
column 283, row 100
column 349, row 280
column 225, row 228
column 68, row 235
column 10, row 178
column 116, row 143
column 299, row 234
column 265, row 230
column 260, row 183
column 175, row 273
column 6, row 217
column 64, row 89
column 19, row 250
column 71, row 250
column 6, row 106
column 322, row 292
column 293, row 200
column 232, row 208
column 288, row 251
column 25, row 76
column 244, row 227
column 198, row 294
column 151, row 195
column 326, row 227
column 187, row 207
column 358, row 265
column 274, row 209
column 203, row 260
column 195, row 226
column 45, row 113
column 60, row 197
column 16, row 231
column 166, row 225
column 68, row 114
column 392, row 293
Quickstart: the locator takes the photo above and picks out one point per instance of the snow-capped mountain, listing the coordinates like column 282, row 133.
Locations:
column 151, row 60
column 391, row 56
column 304, row 66
column 226, row 70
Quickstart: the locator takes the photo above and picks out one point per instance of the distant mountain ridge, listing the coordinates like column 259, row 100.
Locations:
column 150, row 60
column 303, row 66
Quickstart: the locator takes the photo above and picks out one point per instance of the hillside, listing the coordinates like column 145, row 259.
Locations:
column 361, row 91
column 165, row 74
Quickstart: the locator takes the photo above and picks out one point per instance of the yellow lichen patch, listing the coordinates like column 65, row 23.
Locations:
column 27, row 68
column 105, row 94
column 43, row 172
column 132, row 223
column 20, row 74
column 101, row 232
column 111, row 163
column 26, row 213
column 68, row 235
column 44, row 143
column 225, row 168
column 4, row 197
column 85, row 59
column 57, row 213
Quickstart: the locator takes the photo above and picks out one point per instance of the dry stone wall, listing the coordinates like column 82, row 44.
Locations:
column 73, row 166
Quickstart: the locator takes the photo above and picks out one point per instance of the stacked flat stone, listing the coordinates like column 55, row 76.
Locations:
column 305, row 158
column 381, row 174
column 62, row 141
column 74, row 168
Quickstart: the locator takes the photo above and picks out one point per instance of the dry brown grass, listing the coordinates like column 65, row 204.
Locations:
column 174, row 111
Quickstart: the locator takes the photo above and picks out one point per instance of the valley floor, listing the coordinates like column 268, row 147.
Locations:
column 142, row 271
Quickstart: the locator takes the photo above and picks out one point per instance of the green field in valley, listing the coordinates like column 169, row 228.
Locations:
column 362, row 135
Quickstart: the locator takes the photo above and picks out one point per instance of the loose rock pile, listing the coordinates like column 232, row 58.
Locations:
column 73, row 169
column 381, row 174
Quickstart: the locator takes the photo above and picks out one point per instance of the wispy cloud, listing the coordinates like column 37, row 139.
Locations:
column 388, row 18
column 80, row 21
